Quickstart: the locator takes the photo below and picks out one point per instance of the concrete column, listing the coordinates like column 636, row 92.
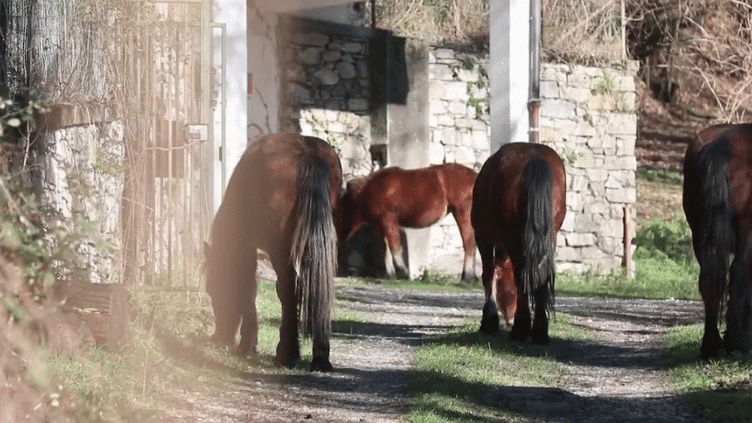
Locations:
column 407, row 120
column 263, row 66
column 233, row 14
column 510, row 40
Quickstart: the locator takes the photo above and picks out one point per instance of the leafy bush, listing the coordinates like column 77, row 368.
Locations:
column 659, row 240
column 664, row 268
column 33, row 248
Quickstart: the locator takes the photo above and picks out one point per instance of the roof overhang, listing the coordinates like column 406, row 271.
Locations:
column 288, row 6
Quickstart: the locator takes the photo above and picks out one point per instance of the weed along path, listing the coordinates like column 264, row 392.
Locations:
column 611, row 371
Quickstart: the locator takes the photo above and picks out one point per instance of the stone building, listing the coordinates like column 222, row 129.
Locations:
column 587, row 115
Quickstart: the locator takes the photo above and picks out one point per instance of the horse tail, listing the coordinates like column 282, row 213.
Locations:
column 538, row 231
column 714, row 216
column 314, row 247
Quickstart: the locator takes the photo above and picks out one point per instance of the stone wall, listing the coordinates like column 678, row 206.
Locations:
column 83, row 181
column 326, row 88
column 460, row 132
column 588, row 116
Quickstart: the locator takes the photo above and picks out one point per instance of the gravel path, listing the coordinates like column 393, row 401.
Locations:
column 617, row 377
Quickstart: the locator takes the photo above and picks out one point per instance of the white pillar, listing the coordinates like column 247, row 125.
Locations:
column 263, row 65
column 510, row 68
column 233, row 14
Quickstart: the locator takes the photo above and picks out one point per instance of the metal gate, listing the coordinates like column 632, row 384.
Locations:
column 167, row 200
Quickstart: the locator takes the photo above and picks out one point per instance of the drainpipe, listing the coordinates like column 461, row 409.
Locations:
column 373, row 14
column 534, row 94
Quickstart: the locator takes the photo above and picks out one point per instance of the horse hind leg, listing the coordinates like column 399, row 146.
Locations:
column 468, row 246
column 249, row 327
column 522, row 319
column 288, row 348
column 540, row 319
column 711, row 339
column 489, row 323
column 736, row 338
column 388, row 261
column 394, row 262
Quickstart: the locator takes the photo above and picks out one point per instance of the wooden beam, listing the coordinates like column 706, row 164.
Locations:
column 287, row 6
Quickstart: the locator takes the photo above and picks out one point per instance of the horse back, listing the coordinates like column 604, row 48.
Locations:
column 458, row 181
column 262, row 188
column 415, row 197
column 498, row 187
column 739, row 139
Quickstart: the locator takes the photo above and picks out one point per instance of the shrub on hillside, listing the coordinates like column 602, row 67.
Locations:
column 671, row 240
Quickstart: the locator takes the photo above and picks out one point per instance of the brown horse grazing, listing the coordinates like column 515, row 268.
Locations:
column 392, row 198
column 718, row 204
column 519, row 203
column 281, row 198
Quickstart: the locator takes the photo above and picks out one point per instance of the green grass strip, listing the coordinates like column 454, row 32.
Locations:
column 720, row 389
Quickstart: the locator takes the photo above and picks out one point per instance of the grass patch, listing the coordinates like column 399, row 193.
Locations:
column 665, row 267
column 430, row 281
column 720, row 389
column 654, row 279
column 671, row 177
column 167, row 358
column 456, row 374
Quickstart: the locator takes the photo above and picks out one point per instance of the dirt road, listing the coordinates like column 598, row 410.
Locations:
column 618, row 377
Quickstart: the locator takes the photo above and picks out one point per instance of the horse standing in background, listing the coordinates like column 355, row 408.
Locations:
column 717, row 201
column 393, row 197
column 281, row 198
column 519, row 203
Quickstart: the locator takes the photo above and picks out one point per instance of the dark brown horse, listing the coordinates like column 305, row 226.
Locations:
column 519, row 203
column 392, row 198
column 718, row 204
column 281, row 198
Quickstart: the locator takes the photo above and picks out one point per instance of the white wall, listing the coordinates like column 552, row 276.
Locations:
column 233, row 14
column 263, row 65
column 510, row 42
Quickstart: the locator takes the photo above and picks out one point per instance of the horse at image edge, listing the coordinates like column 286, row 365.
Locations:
column 716, row 201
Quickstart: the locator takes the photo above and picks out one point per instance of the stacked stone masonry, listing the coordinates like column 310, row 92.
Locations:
column 460, row 132
column 327, row 91
column 587, row 115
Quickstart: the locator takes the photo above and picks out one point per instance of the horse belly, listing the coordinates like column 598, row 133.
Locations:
column 425, row 215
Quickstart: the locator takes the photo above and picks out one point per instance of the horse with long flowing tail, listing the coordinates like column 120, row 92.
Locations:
column 717, row 202
column 282, row 199
column 519, row 203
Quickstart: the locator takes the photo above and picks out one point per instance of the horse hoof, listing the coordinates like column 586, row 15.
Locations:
column 519, row 335
column 489, row 326
column 219, row 341
column 488, row 329
column 541, row 340
column 249, row 355
column 286, row 362
column 321, row 366
column 489, row 323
